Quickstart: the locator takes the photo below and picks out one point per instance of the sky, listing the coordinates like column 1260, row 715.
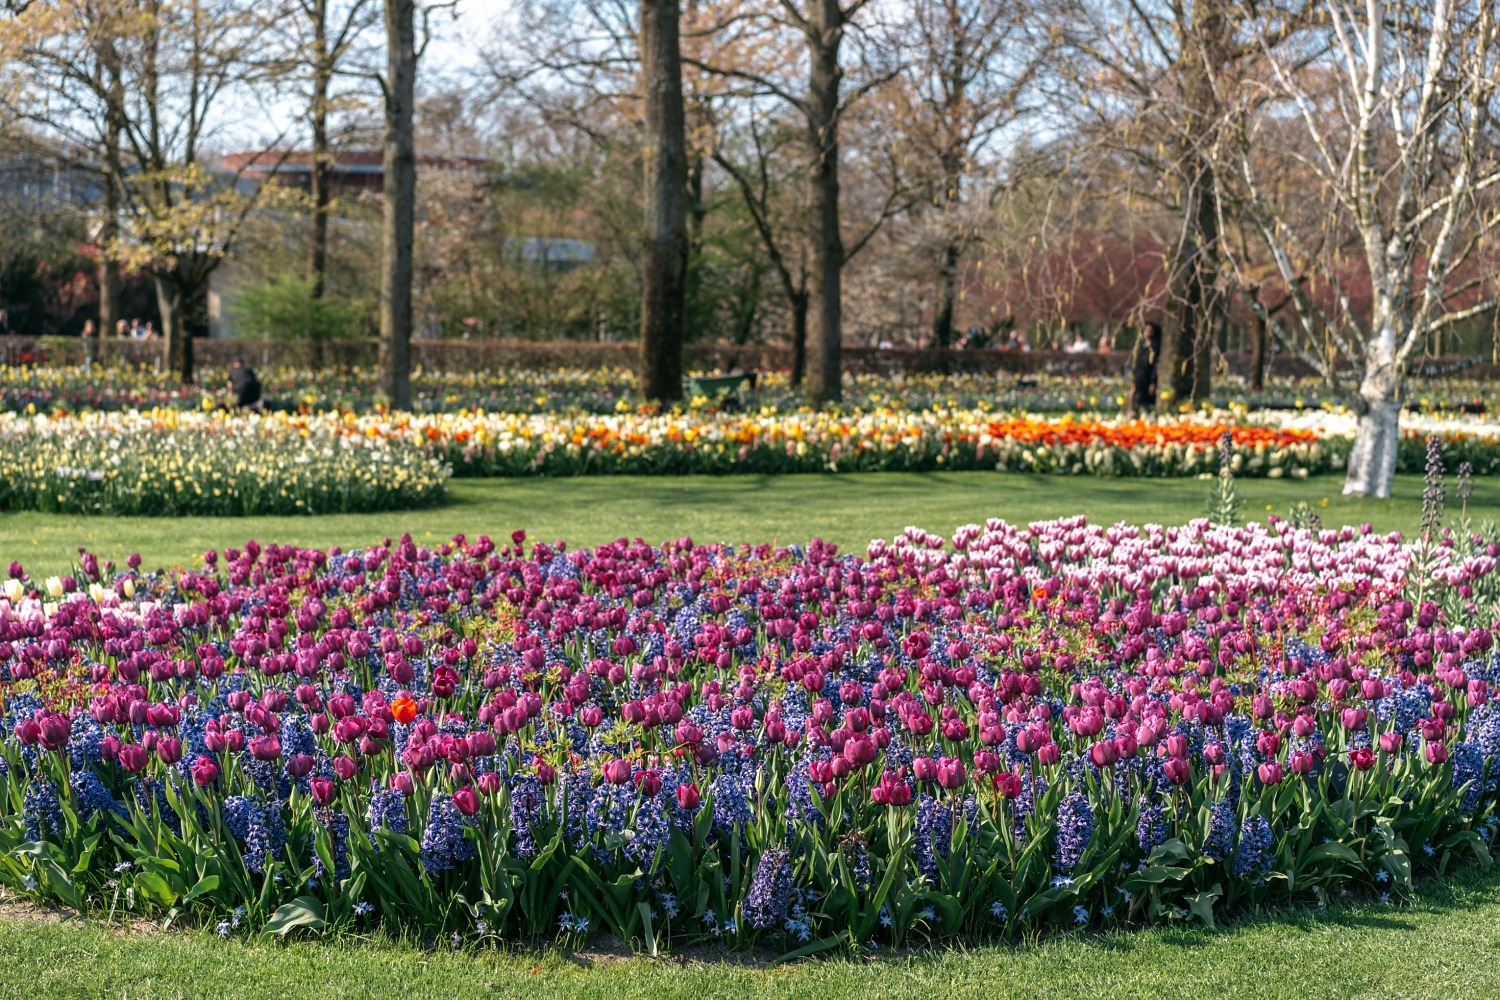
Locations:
column 455, row 51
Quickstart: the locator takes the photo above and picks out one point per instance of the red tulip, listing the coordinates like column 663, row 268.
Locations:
column 133, row 758
column 467, row 800
column 323, row 789
column 617, row 771
column 1362, row 758
column 1007, row 783
column 688, row 796
column 1176, row 770
column 205, row 770
column 1437, row 752
column 951, row 774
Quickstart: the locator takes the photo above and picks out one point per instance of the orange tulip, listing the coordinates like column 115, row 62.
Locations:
column 404, row 710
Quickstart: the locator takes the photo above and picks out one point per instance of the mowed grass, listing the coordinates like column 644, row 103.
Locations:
column 1446, row 944
column 846, row 509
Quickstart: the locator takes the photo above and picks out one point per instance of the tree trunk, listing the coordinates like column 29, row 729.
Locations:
column 109, row 229
column 799, row 338
column 1372, row 460
column 664, row 264
column 109, row 295
column 177, row 341
column 1259, row 333
column 400, row 169
column 320, row 168
column 825, row 315
column 942, row 320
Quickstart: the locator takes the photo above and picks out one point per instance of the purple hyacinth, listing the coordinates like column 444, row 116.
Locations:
column 1075, row 828
column 1150, row 828
column 770, row 890
column 443, row 840
column 41, row 811
column 1254, row 857
column 1220, row 840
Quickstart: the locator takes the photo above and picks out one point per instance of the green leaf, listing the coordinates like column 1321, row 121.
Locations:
column 1332, row 850
column 155, row 887
column 206, row 884
column 1155, row 875
column 61, row 884
column 1201, row 904
column 304, row 911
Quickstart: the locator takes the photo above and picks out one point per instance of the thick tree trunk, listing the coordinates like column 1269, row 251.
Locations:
column 400, row 166
column 109, row 295
column 942, row 320
column 320, row 167
column 1174, row 369
column 664, row 263
column 177, row 340
column 825, row 313
column 1259, row 334
column 799, row 338
column 109, row 229
column 1372, row 460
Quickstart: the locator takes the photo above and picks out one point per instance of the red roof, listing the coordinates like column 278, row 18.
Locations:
column 262, row 163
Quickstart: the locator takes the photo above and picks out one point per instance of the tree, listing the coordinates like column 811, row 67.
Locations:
column 752, row 173
column 972, row 64
column 1148, row 93
column 399, row 171
column 321, row 35
column 150, row 77
column 821, row 26
column 665, row 258
column 1390, row 107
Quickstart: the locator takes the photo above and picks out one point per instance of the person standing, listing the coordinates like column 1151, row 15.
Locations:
column 1143, row 369
column 90, row 344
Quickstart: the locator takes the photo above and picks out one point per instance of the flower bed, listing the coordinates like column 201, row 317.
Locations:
column 879, row 440
column 197, row 463
column 1060, row 725
column 64, row 389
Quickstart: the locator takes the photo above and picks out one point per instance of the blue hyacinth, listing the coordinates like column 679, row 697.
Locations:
column 1254, row 857
column 41, row 811
column 1150, row 828
column 1220, row 840
column 443, row 840
column 770, row 890
column 1075, row 828
column 387, row 812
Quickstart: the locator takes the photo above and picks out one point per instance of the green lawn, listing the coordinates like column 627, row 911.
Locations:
column 1445, row 945
column 847, row 509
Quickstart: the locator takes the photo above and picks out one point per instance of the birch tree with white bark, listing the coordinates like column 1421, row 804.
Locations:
column 1389, row 105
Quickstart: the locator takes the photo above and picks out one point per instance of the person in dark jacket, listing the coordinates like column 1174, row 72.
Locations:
column 1144, row 359
column 245, row 386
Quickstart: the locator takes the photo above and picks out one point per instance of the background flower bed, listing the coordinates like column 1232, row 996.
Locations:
column 72, row 389
column 168, row 463
column 1065, row 724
